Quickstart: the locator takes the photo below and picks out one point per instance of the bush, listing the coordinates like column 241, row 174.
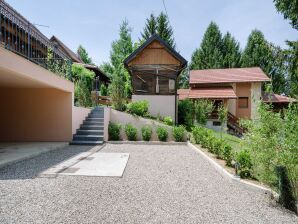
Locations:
column 146, row 133
column 200, row 135
column 179, row 133
column 226, row 151
column 168, row 120
column 185, row 113
column 139, row 108
column 114, row 131
column 103, row 90
column 162, row 134
column 245, row 163
column 131, row 132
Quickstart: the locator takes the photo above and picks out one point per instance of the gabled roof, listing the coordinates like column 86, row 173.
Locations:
column 73, row 56
column 275, row 98
column 96, row 70
column 227, row 75
column 155, row 37
column 207, row 93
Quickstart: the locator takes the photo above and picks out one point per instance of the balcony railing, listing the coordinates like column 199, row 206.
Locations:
column 20, row 36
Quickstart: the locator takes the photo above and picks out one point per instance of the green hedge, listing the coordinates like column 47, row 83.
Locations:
column 139, row 108
column 146, row 133
column 131, row 132
column 114, row 131
column 162, row 134
column 179, row 133
column 208, row 140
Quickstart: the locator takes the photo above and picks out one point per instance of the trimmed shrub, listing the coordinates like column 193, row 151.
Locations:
column 179, row 133
column 139, row 108
column 114, row 131
column 162, row 134
column 226, row 151
column 168, row 120
column 131, row 132
column 217, row 147
column 245, row 163
column 146, row 133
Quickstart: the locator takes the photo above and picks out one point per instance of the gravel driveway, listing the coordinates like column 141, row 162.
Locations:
column 161, row 184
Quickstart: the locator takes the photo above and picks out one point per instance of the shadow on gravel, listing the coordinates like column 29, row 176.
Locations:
column 30, row 168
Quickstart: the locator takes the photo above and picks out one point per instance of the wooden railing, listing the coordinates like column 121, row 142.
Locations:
column 234, row 123
column 103, row 100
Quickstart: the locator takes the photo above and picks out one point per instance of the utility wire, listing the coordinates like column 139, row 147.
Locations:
column 164, row 5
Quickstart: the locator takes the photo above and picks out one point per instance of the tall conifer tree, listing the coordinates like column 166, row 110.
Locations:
column 231, row 51
column 161, row 26
column 209, row 54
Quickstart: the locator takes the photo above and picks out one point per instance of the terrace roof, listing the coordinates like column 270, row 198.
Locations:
column 227, row 75
column 207, row 93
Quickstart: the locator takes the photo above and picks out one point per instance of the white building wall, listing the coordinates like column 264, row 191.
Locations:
column 256, row 94
column 160, row 105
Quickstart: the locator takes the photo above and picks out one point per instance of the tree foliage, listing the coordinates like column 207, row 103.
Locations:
column 202, row 110
column 159, row 25
column 120, row 87
column 209, row 54
column 231, row 51
column 82, row 79
column 270, row 58
column 83, row 54
column 292, row 59
column 272, row 141
column 289, row 8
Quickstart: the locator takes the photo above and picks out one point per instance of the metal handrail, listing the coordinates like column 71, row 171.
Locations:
column 18, row 35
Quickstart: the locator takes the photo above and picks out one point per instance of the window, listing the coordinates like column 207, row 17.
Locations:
column 216, row 123
column 243, row 102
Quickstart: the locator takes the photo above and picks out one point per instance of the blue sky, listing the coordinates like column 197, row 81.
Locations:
column 95, row 23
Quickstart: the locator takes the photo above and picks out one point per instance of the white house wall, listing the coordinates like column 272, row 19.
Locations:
column 160, row 105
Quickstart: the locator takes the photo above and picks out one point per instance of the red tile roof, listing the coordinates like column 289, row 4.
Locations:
column 227, row 75
column 207, row 93
column 275, row 98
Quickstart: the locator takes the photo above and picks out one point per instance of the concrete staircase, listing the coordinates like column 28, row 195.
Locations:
column 91, row 131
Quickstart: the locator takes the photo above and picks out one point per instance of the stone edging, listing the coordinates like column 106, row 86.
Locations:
column 146, row 143
column 230, row 176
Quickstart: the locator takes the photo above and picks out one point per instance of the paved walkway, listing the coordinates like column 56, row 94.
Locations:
column 13, row 152
column 160, row 184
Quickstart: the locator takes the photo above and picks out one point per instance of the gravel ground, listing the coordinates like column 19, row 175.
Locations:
column 161, row 184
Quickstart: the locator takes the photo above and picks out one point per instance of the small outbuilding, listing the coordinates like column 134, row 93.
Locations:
column 154, row 68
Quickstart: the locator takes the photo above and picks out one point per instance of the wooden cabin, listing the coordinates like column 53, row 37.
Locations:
column 154, row 68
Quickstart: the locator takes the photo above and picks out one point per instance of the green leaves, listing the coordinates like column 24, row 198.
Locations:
column 82, row 78
column 259, row 52
column 209, row 55
column 161, row 26
column 84, row 55
column 290, row 10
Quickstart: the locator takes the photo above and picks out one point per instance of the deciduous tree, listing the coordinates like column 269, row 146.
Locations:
column 83, row 54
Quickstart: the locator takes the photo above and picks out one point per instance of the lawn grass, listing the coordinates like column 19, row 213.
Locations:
column 234, row 141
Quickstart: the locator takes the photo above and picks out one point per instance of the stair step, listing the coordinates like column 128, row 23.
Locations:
column 87, row 137
column 86, row 142
column 91, row 127
column 99, row 123
column 94, row 119
column 95, row 116
column 89, row 132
